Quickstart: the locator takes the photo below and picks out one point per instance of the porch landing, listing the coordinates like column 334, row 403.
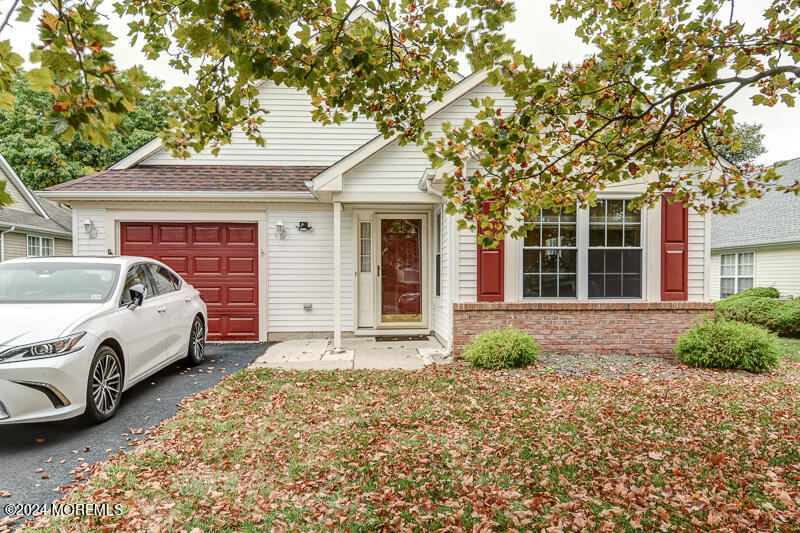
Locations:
column 359, row 353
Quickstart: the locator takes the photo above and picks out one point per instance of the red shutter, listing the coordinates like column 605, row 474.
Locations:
column 674, row 251
column 491, row 270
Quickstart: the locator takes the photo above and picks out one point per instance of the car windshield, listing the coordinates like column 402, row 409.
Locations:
column 40, row 282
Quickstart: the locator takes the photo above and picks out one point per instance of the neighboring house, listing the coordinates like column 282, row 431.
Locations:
column 334, row 229
column 31, row 226
column 760, row 245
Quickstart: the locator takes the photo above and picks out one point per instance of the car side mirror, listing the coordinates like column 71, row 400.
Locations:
column 137, row 293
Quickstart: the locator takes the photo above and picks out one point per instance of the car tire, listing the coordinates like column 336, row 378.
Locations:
column 197, row 343
column 104, row 386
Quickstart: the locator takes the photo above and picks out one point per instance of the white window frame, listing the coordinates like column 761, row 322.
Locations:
column 35, row 246
column 736, row 276
column 438, row 228
column 583, row 258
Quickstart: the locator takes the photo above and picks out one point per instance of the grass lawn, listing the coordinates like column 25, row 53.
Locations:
column 454, row 448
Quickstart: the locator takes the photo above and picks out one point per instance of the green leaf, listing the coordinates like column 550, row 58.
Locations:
column 41, row 78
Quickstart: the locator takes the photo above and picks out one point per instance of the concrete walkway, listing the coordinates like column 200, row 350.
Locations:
column 359, row 353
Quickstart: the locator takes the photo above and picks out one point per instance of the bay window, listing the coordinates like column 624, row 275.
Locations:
column 594, row 253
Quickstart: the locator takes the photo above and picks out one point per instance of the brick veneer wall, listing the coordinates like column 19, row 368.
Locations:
column 641, row 328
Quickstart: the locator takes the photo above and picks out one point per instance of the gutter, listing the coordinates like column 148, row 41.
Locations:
column 755, row 246
column 36, row 229
column 67, row 195
column 3, row 242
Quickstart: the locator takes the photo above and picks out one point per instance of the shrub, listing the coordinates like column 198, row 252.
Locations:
column 761, row 292
column 786, row 320
column 752, row 309
column 728, row 345
column 498, row 349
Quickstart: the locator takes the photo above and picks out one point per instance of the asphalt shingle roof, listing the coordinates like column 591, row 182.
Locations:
column 15, row 217
column 772, row 219
column 228, row 178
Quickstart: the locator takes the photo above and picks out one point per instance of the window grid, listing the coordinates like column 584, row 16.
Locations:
column 550, row 256
column 40, row 246
column 615, row 250
column 365, row 249
column 438, row 238
column 737, row 273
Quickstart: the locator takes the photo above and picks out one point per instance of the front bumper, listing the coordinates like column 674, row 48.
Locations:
column 45, row 389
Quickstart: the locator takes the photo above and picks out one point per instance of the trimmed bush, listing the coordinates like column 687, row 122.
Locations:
column 499, row 349
column 752, row 309
column 728, row 345
column 761, row 292
column 786, row 321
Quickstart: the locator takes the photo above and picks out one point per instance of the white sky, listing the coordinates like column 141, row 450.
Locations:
column 536, row 33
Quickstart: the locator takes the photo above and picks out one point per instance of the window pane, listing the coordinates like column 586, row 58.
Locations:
column 745, row 283
column 614, row 235
column 728, row 265
column 632, row 236
column 597, row 236
column 365, row 264
column 530, row 261
column 596, row 262
column 550, row 236
column 746, row 264
column 533, row 238
column 549, row 215
column 598, row 212
column 631, row 286
column 613, row 261
column 366, row 230
column 549, row 286
column 632, row 216
column 550, row 261
column 567, row 261
column 530, row 285
column 163, row 282
column 596, row 285
column 613, row 286
column 727, row 287
column 567, row 286
column 616, row 210
column 568, row 217
column 632, row 261
column 569, row 236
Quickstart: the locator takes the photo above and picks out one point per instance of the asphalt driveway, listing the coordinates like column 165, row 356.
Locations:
column 37, row 459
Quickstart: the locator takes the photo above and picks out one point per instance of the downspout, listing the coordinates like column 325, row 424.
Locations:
column 3, row 242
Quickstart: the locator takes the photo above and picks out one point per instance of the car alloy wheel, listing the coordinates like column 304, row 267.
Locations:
column 197, row 342
column 105, row 385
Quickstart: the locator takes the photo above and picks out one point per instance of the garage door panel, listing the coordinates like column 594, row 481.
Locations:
column 218, row 259
column 242, row 265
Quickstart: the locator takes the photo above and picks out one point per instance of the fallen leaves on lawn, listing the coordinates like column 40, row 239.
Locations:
column 451, row 448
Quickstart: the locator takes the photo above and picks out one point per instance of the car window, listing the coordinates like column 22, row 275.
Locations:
column 164, row 280
column 137, row 274
column 57, row 282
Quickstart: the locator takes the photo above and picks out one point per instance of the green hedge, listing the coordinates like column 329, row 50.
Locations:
column 728, row 345
column 499, row 349
column 759, row 306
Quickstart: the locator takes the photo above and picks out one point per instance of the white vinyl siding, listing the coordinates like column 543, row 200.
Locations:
column 300, row 271
column 697, row 257
column 15, row 246
column 292, row 137
column 94, row 244
column 467, row 266
column 63, row 247
column 398, row 168
column 442, row 312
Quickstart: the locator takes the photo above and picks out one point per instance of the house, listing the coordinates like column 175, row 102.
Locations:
column 760, row 245
column 31, row 226
column 337, row 230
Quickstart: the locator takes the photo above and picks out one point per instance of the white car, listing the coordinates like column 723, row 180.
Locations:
column 75, row 333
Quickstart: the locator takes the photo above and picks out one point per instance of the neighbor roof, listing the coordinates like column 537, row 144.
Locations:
column 773, row 219
column 24, row 220
column 191, row 178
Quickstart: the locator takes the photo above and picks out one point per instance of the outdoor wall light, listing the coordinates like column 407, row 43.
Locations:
column 280, row 229
column 304, row 226
column 88, row 227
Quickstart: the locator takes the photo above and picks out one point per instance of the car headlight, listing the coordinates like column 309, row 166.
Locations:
column 42, row 350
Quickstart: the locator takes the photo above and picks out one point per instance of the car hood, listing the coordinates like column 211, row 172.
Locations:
column 28, row 323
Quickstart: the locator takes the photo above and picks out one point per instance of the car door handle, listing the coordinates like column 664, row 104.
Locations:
column 188, row 299
column 162, row 309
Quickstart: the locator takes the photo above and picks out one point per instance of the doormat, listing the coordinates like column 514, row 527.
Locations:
column 405, row 338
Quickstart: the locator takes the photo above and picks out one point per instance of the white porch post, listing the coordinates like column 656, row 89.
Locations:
column 337, row 275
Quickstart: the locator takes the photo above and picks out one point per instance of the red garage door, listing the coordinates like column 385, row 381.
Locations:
column 218, row 259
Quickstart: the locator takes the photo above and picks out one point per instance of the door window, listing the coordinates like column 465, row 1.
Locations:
column 137, row 275
column 164, row 280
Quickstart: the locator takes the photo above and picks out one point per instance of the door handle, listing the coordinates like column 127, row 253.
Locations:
column 379, row 271
column 162, row 309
